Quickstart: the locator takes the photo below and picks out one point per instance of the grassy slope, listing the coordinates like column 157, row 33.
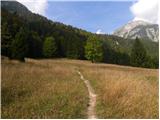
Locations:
column 52, row 89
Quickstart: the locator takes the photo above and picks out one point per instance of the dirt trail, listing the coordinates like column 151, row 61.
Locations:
column 92, row 98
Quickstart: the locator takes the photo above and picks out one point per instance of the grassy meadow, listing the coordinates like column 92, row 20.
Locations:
column 124, row 92
column 53, row 89
column 42, row 89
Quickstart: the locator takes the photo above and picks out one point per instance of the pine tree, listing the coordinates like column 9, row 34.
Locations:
column 138, row 54
column 19, row 45
column 93, row 49
column 49, row 47
column 6, row 40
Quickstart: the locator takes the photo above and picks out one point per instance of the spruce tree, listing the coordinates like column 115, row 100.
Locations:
column 6, row 40
column 19, row 45
column 138, row 54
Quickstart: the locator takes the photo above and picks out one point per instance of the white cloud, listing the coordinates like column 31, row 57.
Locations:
column 146, row 10
column 99, row 31
column 36, row 6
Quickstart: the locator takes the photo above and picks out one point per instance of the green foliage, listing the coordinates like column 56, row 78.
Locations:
column 35, row 45
column 114, row 55
column 6, row 40
column 93, row 49
column 151, row 62
column 49, row 47
column 138, row 54
column 75, row 47
column 20, row 45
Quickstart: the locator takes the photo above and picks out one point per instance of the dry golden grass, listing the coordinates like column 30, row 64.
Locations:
column 52, row 89
column 124, row 92
column 42, row 89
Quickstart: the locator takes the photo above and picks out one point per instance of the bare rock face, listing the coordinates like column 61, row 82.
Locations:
column 140, row 29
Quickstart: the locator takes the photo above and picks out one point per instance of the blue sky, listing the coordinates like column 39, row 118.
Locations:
column 91, row 16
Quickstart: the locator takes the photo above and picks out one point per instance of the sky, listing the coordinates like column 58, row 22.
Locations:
column 98, row 17
column 91, row 16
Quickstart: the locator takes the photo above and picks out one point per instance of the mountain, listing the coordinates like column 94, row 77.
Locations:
column 15, row 7
column 140, row 29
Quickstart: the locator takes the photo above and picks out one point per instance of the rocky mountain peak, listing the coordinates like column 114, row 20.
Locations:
column 139, row 28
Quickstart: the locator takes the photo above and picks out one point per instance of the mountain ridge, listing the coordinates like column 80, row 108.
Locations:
column 139, row 28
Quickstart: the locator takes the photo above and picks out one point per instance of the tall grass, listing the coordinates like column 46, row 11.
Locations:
column 124, row 92
column 42, row 89
column 52, row 89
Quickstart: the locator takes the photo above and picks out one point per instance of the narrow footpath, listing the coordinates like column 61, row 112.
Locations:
column 92, row 98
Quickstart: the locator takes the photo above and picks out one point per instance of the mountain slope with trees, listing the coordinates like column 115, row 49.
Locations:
column 69, row 41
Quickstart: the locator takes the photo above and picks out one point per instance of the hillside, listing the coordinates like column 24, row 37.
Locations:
column 52, row 88
column 70, row 41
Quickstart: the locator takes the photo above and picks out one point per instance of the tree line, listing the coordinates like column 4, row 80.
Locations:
column 42, row 38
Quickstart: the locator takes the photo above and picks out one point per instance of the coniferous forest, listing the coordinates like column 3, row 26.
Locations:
column 28, row 35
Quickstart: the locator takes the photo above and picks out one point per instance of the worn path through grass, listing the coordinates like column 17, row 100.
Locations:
column 92, row 97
